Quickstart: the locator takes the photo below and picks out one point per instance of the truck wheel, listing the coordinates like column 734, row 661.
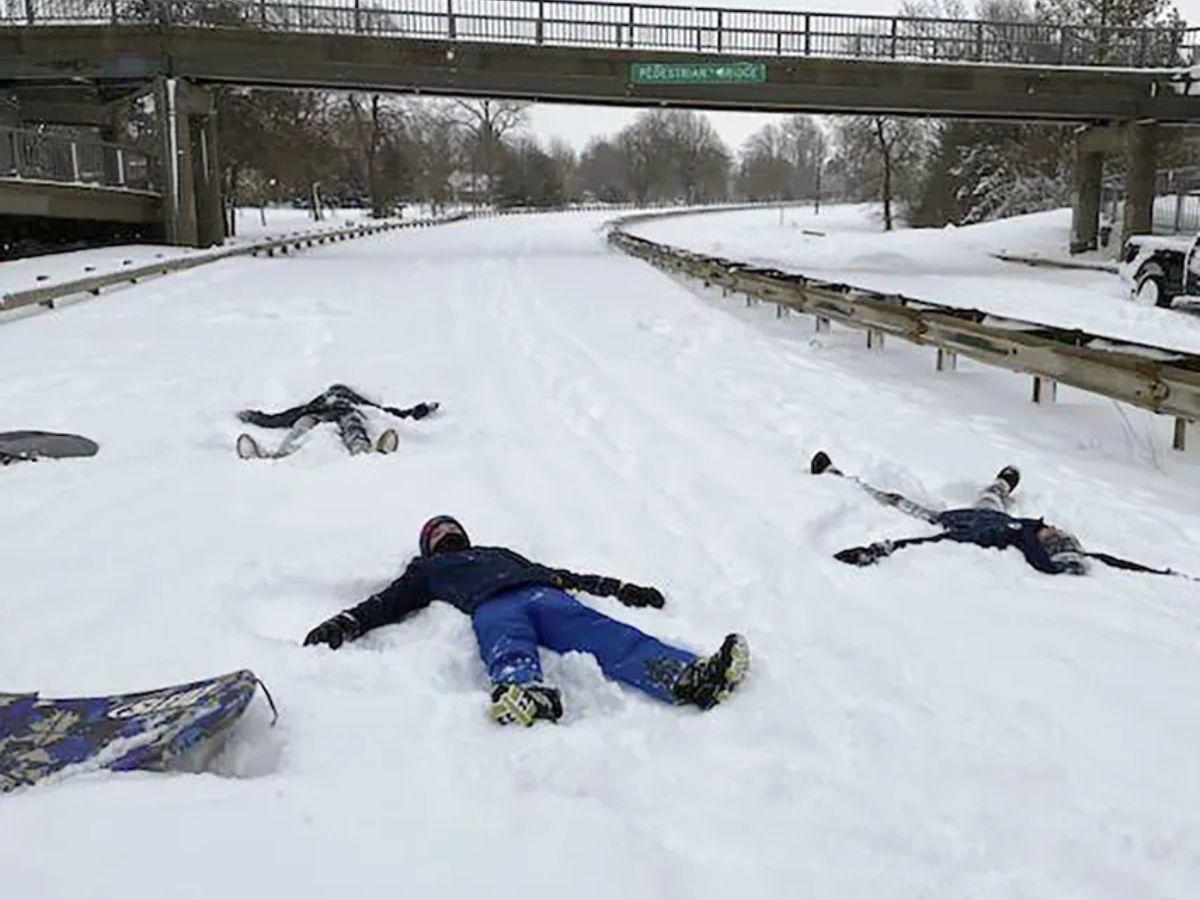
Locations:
column 1150, row 288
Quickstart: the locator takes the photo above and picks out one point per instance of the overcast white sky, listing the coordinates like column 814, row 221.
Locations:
column 576, row 124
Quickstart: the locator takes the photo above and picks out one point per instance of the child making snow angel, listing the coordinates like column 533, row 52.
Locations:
column 517, row 605
column 1047, row 548
column 338, row 404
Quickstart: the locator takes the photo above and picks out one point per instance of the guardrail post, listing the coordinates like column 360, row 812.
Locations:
column 112, row 11
column 14, row 139
column 874, row 339
column 821, row 325
column 1045, row 390
column 451, row 28
column 29, row 12
column 947, row 360
column 1063, row 34
column 358, row 16
column 894, row 23
column 631, row 24
column 541, row 20
column 74, row 161
column 807, row 35
column 120, row 167
column 979, row 42
column 1179, row 441
column 262, row 12
column 720, row 29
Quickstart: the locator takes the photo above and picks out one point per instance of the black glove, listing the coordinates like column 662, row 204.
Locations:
column 636, row 595
column 334, row 632
column 421, row 410
column 860, row 556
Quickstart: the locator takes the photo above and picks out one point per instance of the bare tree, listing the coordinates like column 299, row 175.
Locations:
column 489, row 122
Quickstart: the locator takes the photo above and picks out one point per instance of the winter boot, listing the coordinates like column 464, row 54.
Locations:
column 525, row 703
column 706, row 682
column 821, row 463
column 388, row 442
column 247, row 447
column 1011, row 476
column 995, row 495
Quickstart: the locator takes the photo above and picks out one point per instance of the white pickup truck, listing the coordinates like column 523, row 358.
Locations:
column 1162, row 270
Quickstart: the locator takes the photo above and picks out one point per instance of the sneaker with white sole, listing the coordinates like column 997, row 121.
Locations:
column 388, row 442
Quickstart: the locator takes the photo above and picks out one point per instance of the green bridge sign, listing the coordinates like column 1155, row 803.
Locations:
column 698, row 73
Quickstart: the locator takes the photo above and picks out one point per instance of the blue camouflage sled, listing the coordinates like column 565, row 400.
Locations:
column 177, row 727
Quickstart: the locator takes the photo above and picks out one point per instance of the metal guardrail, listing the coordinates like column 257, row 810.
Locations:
column 49, row 156
column 582, row 23
column 1154, row 378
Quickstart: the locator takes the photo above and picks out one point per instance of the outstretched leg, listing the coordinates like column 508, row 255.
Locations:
column 508, row 639
column 823, row 465
column 624, row 653
column 996, row 495
column 352, row 428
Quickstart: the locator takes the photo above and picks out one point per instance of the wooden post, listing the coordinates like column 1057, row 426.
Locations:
column 947, row 360
column 1045, row 390
column 874, row 339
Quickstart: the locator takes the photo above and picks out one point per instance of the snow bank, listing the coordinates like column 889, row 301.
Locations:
column 949, row 265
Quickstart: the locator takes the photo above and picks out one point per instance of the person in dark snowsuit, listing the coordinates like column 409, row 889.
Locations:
column 1046, row 547
column 338, row 404
column 517, row 605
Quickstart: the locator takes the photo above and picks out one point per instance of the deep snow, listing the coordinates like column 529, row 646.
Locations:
column 948, row 724
column 955, row 266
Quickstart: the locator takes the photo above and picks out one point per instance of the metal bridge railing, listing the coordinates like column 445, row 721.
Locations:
column 580, row 23
column 49, row 156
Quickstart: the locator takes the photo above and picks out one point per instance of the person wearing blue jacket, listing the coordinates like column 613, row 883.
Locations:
column 517, row 605
column 1046, row 547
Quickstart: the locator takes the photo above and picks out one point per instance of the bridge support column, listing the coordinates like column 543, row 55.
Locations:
column 192, row 213
column 1085, row 206
column 179, row 191
column 210, row 218
column 1142, row 144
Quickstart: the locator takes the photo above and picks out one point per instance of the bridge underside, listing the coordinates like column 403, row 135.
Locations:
column 130, row 54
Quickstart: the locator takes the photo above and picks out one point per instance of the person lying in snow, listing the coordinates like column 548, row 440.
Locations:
column 986, row 524
column 338, row 404
column 516, row 605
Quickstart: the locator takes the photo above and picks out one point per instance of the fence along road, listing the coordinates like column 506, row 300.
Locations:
column 1154, row 378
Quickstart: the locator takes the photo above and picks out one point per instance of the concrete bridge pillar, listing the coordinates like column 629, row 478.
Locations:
column 1085, row 205
column 210, row 218
column 1092, row 144
column 190, row 177
column 1142, row 145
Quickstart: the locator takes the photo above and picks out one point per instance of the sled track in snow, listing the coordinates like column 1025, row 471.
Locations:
column 1157, row 379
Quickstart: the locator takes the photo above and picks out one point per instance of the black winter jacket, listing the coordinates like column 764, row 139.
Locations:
column 465, row 580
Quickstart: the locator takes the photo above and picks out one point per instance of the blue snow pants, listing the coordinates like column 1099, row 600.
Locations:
column 511, row 626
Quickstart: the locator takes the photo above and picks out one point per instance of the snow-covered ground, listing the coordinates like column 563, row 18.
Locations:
column 949, row 265
column 948, row 724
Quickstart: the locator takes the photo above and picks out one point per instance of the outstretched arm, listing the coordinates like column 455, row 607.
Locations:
column 403, row 596
column 601, row 586
column 872, row 553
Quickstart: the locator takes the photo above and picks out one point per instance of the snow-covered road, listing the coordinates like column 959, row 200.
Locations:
column 947, row 724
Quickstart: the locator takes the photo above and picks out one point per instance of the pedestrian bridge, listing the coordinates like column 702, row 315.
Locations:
column 613, row 53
